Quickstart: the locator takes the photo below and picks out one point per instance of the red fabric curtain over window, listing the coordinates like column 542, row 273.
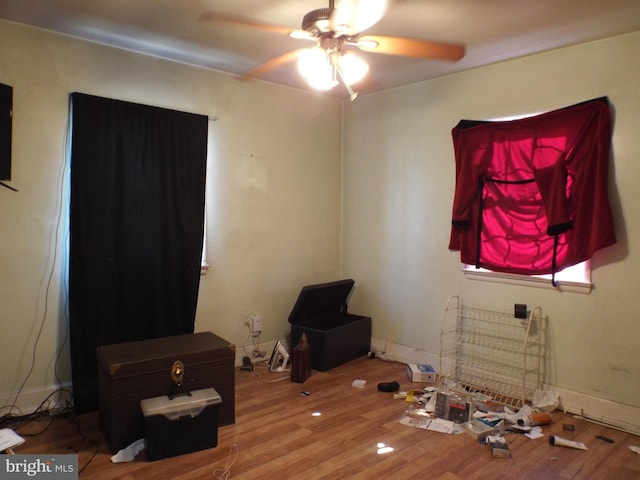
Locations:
column 531, row 195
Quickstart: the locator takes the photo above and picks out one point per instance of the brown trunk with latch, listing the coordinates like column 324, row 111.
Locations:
column 132, row 371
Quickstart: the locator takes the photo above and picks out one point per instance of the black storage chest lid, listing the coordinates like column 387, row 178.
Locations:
column 321, row 299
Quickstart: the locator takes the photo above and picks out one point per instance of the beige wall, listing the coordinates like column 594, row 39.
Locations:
column 398, row 188
column 274, row 180
column 275, row 221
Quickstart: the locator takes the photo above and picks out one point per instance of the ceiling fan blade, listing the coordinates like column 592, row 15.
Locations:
column 272, row 64
column 411, row 47
column 238, row 21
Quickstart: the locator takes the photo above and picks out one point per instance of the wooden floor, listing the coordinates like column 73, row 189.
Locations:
column 277, row 437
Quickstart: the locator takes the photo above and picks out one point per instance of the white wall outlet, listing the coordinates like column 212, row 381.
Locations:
column 256, row 324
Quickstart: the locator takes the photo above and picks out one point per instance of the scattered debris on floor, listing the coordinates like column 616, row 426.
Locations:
column 563, row 442
column 440, row 409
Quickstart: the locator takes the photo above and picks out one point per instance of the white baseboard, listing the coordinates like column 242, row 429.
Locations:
column 394, row 352
column 31, row 400
column 612, row 414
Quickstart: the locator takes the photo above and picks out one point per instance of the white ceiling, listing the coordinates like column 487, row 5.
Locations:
column 492, row 30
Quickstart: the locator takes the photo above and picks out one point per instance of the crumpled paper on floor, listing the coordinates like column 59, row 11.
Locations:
column 129, row 453
column 545, row 400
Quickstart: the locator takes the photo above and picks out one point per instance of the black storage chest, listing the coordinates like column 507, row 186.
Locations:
column 336, row 336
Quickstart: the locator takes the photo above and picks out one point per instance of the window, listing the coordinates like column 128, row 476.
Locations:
column 204, row 263
column 576, row 278
column 528, row 192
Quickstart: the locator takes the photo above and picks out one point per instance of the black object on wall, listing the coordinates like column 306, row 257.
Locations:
column 6, row 113
column 137, row 224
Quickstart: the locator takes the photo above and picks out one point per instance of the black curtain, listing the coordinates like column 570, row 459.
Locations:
column 136, row 222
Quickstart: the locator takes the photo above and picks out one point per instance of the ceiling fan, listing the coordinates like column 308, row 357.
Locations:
column 337, row 32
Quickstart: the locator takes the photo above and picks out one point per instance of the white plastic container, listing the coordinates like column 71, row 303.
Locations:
column 181, row 424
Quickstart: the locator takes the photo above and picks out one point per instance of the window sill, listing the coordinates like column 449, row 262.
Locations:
column 523, row 280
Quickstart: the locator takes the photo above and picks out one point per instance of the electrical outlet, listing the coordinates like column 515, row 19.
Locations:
column 259, row 354
column 256, row 324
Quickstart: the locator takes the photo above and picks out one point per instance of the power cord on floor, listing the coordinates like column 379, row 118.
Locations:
column 96, row 446
column 265, row 365
column 44, row 411
column 225, row 473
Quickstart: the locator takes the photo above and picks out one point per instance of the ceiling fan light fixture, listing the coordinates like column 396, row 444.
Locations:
column 317, row 21
column 301, row 35
column 353, row 16
column 315, row 66
column 352, row 67
column 332, row 28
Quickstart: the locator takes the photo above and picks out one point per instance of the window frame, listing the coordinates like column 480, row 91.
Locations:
column 204, row 262
column 575, row 279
